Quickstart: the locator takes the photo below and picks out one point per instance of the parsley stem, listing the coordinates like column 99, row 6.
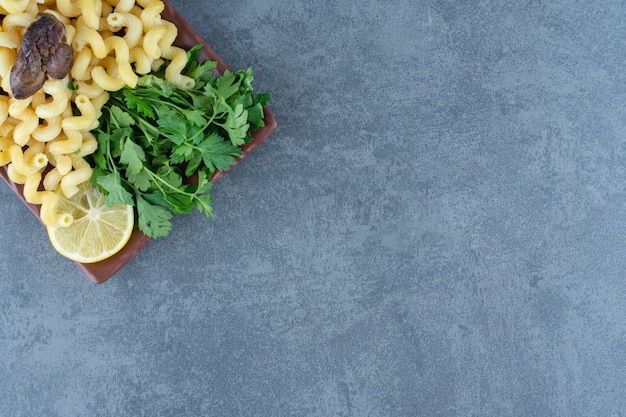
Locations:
column 193, row 138
column 177, row 190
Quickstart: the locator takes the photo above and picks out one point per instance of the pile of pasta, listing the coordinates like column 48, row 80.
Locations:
column 45, row 138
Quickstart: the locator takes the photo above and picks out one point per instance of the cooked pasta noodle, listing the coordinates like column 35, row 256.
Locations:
column 23, row 131
column 15, row 176
column 48, row 214
column 151, row 14
column 48, row 130
column 89, row 145
column 87, row 119
column 146, row 3
column 4, row 108
column 17, row 22
column 82, row 62
column 45, row 138
column 60, row 94
column 178, row 57
column 106, row 75
column 5, row 156
column 151, row 41
column 26, row 163
column 170, row 35
column 99, row 101
column 35, row 156
column 5, row 84
column 90, row 89
column 19, row 106
column 7, row 56
column 122, row 5
column 143, row 63
column 91, row 10
column 6, row 130
column 88, row 36
column 63, row 164
column 14, row 6
column 106, row 9
column 131, row 23
column 81, row 173
column 52, row 179
column 68, row 8
column 122, row 59
column 9, row 40
column 5, row 143
column 31, row 189
column 70, row 144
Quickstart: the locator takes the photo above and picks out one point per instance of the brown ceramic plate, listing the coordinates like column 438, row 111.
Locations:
column 187, row 37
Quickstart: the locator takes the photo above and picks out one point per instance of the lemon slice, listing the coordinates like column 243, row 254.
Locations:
column 97, row 232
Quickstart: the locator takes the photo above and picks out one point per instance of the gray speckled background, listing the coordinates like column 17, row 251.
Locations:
column 436, row 228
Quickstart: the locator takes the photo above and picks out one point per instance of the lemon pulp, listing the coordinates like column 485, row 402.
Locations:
column 97, row 232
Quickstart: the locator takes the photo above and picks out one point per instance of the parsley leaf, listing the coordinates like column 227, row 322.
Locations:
column 132, row 156
column 227, row 85
column 111, row 185
column 236, row 125
column 154, row 220
column 160, row 144
column 120, row 118
column 136, row 103
column 217, row 154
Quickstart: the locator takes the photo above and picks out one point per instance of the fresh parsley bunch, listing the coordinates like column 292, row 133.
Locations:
column 159, row 144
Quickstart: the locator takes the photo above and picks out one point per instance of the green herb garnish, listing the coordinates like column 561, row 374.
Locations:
column 154, row 138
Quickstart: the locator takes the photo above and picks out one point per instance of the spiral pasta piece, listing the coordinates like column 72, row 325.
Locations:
column 14, row 6
column 122, row 59
column 23, row 131
column 81, row 173
column 122, row 5
column 70, row 144
column 106, row 75
column 26, row 164
column 90, row 37
column 87, row 119
column 82, row 62
column 60, row 94
column 131, row 23
column 48, row 213
column 9, row 40
column 68, row 8
column 91, row 10
column 16, row 22
column 48, row 130
column 31, row 189
column 151, row 14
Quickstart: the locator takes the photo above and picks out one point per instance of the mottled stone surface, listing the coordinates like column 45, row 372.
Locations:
column 436, row 228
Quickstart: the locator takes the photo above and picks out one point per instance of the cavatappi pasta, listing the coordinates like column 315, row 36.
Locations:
column 44, row 138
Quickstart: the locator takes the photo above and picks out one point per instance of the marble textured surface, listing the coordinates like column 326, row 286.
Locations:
column 436, row 228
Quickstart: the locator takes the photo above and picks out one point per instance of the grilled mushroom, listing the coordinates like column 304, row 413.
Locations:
column 44, row 53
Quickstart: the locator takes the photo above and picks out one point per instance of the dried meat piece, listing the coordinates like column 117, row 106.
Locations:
column 44, row 53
